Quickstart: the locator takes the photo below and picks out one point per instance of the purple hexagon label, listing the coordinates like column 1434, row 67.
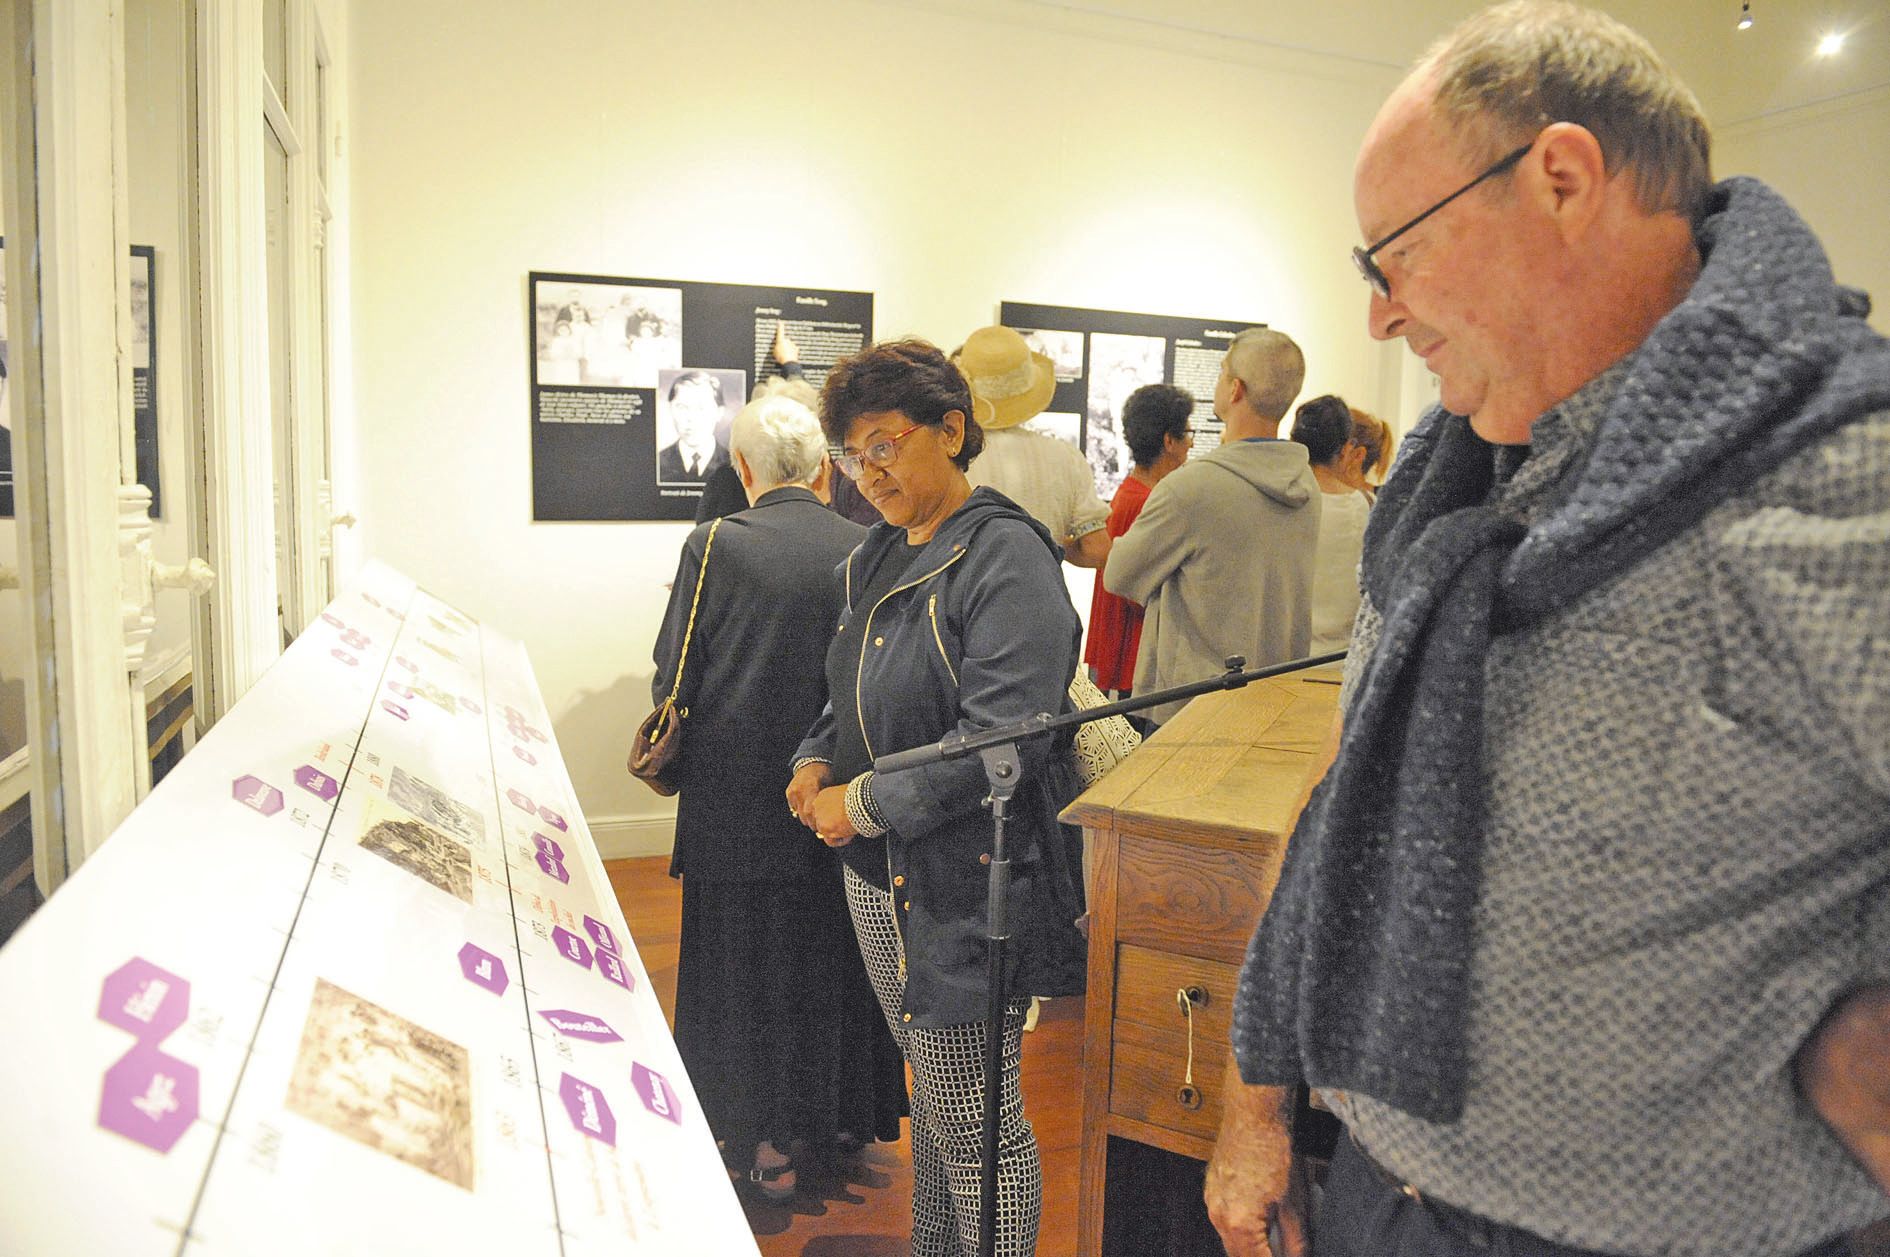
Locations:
column 482, row 968
column 588, row 1109
column 656, row 1093
column 471, row 705
column 551, row 818
column 149, row 1097
column 316, row 782
column 148, row 1001
column 578, row 1025
column 393, row 709
column 408, row 664
column 613, row 968
column 257, row 793
column 357, row 639
column 523, row 802
column 602, row 935
column 328, row 618
column 399, row 690
column 371, row 600
column 525, row 755
column 550, row 866
column 344, row 656
column 571, row 947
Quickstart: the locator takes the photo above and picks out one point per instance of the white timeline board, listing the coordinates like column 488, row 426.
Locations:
column 352, row 980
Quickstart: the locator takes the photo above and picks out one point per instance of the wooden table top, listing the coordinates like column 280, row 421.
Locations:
column 1226, row 771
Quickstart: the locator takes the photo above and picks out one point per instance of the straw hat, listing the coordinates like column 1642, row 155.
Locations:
column 1009, row 383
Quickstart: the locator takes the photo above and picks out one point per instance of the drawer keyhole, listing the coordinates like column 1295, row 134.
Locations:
column 1188, row 1097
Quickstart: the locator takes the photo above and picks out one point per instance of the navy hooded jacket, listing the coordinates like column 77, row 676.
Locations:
column 979, row 632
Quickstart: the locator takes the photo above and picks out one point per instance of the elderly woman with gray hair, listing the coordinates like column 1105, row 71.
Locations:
column 774, row 1016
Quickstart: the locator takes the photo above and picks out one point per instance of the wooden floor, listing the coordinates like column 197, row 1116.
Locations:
column 868, row 1214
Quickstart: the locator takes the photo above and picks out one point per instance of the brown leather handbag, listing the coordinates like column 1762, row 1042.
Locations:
column 659, row 738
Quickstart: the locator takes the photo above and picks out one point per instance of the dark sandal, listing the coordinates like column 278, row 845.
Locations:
column 767, row 1182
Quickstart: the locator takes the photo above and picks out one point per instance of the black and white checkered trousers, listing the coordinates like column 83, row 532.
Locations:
column 948, row 1105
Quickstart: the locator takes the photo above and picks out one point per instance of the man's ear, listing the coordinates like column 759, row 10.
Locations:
column 822, row 484
column 1569, row 175
column 743, row 470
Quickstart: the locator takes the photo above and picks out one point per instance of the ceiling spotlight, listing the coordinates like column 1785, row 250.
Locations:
column 1745, row 15
column 1831, row 45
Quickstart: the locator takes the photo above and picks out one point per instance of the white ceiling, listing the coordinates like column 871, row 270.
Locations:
column 1738, row 75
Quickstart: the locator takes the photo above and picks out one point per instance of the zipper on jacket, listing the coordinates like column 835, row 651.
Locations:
column 859, row 709
column 897, row 932
column 866, row 635
column 931, row 609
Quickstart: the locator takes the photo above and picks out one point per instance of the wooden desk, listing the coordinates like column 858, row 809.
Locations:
column 1187, row 837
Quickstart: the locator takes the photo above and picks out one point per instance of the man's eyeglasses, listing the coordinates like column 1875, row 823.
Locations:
column 878, row 454
column 1362, row 258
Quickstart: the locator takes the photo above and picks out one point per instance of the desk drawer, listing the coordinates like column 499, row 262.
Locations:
column 1146, row 984
column 1194, row 901
column 1148, row 1070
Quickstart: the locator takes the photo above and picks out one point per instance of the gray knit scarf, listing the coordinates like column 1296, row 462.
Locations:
column 1358, row 977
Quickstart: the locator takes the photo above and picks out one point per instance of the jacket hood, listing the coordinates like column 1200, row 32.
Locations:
column 1279, row 469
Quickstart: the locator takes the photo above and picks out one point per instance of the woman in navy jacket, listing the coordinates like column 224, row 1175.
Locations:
column 956, row 618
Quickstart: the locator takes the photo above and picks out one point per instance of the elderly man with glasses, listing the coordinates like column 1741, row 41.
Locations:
column 1585, row 932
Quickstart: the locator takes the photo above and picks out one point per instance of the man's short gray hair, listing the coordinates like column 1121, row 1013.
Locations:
column 781, row 440
column 1511, row 70
column 1272, row 368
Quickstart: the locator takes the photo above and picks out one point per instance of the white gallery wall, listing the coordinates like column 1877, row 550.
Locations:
column 944, row 160
column 1829, row 161
column 945, row 156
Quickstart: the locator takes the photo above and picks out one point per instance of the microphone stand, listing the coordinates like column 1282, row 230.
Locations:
column 997, row 748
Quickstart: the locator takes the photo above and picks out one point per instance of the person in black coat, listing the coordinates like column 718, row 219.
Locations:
column 774, row 1017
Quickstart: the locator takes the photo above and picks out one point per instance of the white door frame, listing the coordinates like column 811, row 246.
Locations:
column 237, row 520
column 69, row 275
column 86, row 573
column 312, row 517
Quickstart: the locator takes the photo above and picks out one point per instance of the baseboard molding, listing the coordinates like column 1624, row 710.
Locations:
column 629, row 837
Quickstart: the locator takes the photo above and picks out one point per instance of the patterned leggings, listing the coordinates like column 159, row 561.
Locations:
column 948, row 1106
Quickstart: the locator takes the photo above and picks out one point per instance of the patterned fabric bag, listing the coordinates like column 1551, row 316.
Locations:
column 1101, row 744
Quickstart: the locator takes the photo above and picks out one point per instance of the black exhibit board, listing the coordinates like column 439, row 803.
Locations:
column 635, row 382
column 1102, row 356
column 352, row 979
column 144, row 369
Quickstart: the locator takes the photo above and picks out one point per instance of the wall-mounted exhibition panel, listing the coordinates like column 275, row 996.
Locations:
column 1101, row 356
column 635, row 382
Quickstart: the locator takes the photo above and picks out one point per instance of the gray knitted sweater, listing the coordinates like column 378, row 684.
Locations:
column 1684, row 854
column 1687, row 861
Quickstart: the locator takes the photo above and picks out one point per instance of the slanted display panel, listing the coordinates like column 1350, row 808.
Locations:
column 353, row 979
